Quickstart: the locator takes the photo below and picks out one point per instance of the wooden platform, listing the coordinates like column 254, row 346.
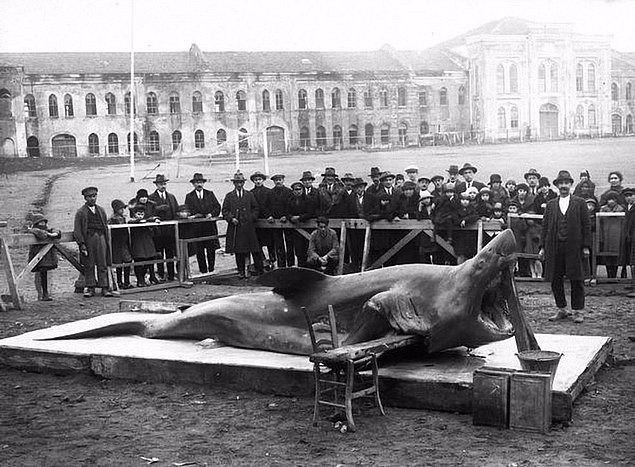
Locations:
column 440, row 382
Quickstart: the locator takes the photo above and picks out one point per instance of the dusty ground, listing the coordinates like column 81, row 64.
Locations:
column 80, row 420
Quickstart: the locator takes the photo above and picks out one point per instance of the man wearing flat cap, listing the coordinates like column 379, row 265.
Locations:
column 263, row 198
column 165, row 207
column 324, row 249
column 90, row 232
column 203, row 204
column 565, row 245
column 467, row 172
column 412, row 173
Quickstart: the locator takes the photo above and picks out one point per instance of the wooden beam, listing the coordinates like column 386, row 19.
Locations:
column 364, row 349
column 304, row 233
column 395, row 248
column 9, row 272
column 340, row 262
column 31, row 264
column 70, row 257
column 366, row 251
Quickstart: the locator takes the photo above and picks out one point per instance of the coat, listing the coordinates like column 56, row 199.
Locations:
column 120, row 239
column 628, row 238
column 49, row 260
column 462, row 186
column 241, row 238
column 164, row 209
column 579, row 237
column 80, row 229
column 142, row 241
column 279, row 201
column 344, row 206
column 201, row 208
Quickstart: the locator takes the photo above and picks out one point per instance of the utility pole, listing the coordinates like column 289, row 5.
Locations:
column 132, row 106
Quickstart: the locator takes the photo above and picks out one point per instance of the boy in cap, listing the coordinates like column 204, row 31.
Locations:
column 165, row 205
column 544, row 195
column 90, row 234
column 120, row 239
column 585, row 178
column 510, row 186
column 453, row 173
column 483, row 205
column 40, row 229
column 323, row 251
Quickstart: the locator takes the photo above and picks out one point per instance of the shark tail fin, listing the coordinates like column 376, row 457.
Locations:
column 127, row 325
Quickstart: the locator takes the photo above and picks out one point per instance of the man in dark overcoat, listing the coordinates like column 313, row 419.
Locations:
column 356, row 236
column 282, row 238
column 299, row 211
column 240, row 210
column 165, row 207
column 203, row 204
column 565, row 245
column 467, row 172
column 312, row 194
column 90, row 232
column 329, row 190
column 263, row 198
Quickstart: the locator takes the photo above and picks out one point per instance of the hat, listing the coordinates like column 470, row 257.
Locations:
column 329, row 172
column 90, row 190
column 585, row 173
column 322, row 220
column 544, row 181
column 485, row 190
column 385, row 175
column 142, row 193
column 238, row 177
column 513, row 202
column 533, row 172
column 198, row 177
column 256, row 174
column 408, row 185
column 276, row 177
column 37, row 218
column 411, row 168
column 563, row 175
column 347, row 176
column 374, row 172
column 591, row 200
column 117, row 204
column 495, row 178
column 306, row 175
column 511, row 180
column 400, row 177
column 160, row 178
column 467, row 166
column 294, row 184
column 138, row 208
column 421, row 179
column 522, row 186
column 449, row 187
column 425, row 194
column 437, row 177
column 497, row 207
column 628, row 191
column 358, row 182
column 454, row 169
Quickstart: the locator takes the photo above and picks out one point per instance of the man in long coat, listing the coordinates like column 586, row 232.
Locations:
column 565, row 243
column 263, row 198
column 203, row 204
column 240, row 210
column 90, row 234
column 165, row 207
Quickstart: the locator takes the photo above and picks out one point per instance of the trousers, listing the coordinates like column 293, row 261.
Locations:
column 557, row 282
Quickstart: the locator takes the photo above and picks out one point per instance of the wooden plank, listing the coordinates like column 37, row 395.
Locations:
column 366, row 251
column 304, row 233
column 523, row 334
column 340, row 261
column 490, row 397
column 152, row 306
column 31, row 264
column 364, row 349
column 18, row 240
column 530, row 402
column 70, row 257
column 9, row 272
column 151, row 288
column 479, row 236
column 395, row 248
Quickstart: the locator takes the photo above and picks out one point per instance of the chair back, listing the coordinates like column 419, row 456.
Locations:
column 323, row 330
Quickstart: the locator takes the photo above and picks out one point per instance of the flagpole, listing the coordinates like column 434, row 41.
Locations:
column 132, row 106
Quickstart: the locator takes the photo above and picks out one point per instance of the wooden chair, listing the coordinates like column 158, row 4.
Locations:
column 335, row 375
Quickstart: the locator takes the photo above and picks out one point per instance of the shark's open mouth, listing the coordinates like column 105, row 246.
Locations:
column 495, row 307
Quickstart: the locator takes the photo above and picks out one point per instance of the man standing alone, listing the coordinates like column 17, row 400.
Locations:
column 565, row 244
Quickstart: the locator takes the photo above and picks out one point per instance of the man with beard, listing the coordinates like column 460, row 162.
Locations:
column 565, row 244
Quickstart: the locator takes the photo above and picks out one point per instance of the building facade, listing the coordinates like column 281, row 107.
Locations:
column 509, row 79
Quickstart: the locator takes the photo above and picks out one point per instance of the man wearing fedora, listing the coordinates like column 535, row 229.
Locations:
column 203, row 204
column 375, row 186
column 263, row 198
column 343, row 207
column 312, row 194
column 532, row 177
column 453, row 174
column 240, row 210
column 330, row 189
column 467, row 172
column 90, row 234
column 165, row 207
column 565, row 245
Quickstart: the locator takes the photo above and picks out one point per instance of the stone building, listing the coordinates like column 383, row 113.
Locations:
column 509, row 79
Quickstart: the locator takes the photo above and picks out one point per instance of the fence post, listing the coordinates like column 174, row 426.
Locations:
column 10, row 273
column 340, row 265
column 366, row 248
column 479, row 235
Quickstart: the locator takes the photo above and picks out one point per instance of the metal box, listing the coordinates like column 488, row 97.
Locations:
column 490, row 397
column 530, row 402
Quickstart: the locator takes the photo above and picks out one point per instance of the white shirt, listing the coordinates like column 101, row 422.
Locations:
column 200, row 194
column 92, row 209
column 564, row 203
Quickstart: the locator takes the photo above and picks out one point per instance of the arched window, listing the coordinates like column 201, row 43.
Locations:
column 579, row 117
column 241, row 100
column 175, row 103
column 219, row 101
column 384, row 134
column 243, row 140
column 279, row 100
column 302, row 99
column 136, row 142
column 221, row 136
column 176, row 139
column 91, row 104
column 591, row 78
column 424, row 128
column 461, row 95
column 320, row 137
column 338, row 141
column 305, row 137
column 197, row 103
column 266, row 101
column 423, row 98
column 553, row 77
column 591, row 116
column 319, row 98
column 351, row 98
column 383, row 98
column 29, row 102
column 154, row 145
column 401, row 97
column 579, row 78
column 629, row 124
column 403, row 134
column 542, row 78
column 615, row 92
column 5, row 110
column 352, row 135
column 32, row 146
column 513, row 117
column 336, row 99
column 369, row 132
column 628, row 91
column 68, row 106
column 152, row 104
column 126, row 104
column 53, row 112
column 93, row 144
column 513, row 78
column 113, row 144
column 500, row 79
column 502, row 122
column 443, row 96
column 199, row 139
column 111, row 104
column 368, row 98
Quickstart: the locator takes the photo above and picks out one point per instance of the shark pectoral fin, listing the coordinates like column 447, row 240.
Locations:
column 398, row 309
column 369, row 324
column 288, row 280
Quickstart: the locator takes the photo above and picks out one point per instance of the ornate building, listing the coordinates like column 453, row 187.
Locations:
column 510, row 79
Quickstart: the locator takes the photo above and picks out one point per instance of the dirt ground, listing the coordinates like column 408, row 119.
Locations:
column 50, row 419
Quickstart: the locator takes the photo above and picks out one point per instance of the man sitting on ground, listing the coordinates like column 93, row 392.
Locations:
column 323, row 252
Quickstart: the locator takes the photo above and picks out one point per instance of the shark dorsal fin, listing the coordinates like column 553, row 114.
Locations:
column 288, row 280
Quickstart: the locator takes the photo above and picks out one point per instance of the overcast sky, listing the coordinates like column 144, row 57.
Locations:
column 216, row 25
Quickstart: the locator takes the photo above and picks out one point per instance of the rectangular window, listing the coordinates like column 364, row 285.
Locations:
column 197, row 106
column 423, row 99
column 368, row 99
column 401, row 97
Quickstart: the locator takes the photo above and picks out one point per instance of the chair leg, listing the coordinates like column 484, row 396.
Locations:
column 376, row 384
column 350, row 375
column 316, row 404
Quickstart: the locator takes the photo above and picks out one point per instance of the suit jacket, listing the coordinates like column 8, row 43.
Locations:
column 263, row 198
column 80, row 229
column 164, row 209
column 279, row 201
column 462, row 186
column 241, row 238
column 200, row 208
column 344, row 206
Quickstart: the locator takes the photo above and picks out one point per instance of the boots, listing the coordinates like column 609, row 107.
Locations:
column 561, row 314
column 577, row 317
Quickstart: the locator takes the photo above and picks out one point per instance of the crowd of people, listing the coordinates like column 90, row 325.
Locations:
column 453, row 203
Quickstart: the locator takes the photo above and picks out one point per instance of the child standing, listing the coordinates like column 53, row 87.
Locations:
column 143, row 249
column 120, row 240
column 42, row 232
column 591, row 206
